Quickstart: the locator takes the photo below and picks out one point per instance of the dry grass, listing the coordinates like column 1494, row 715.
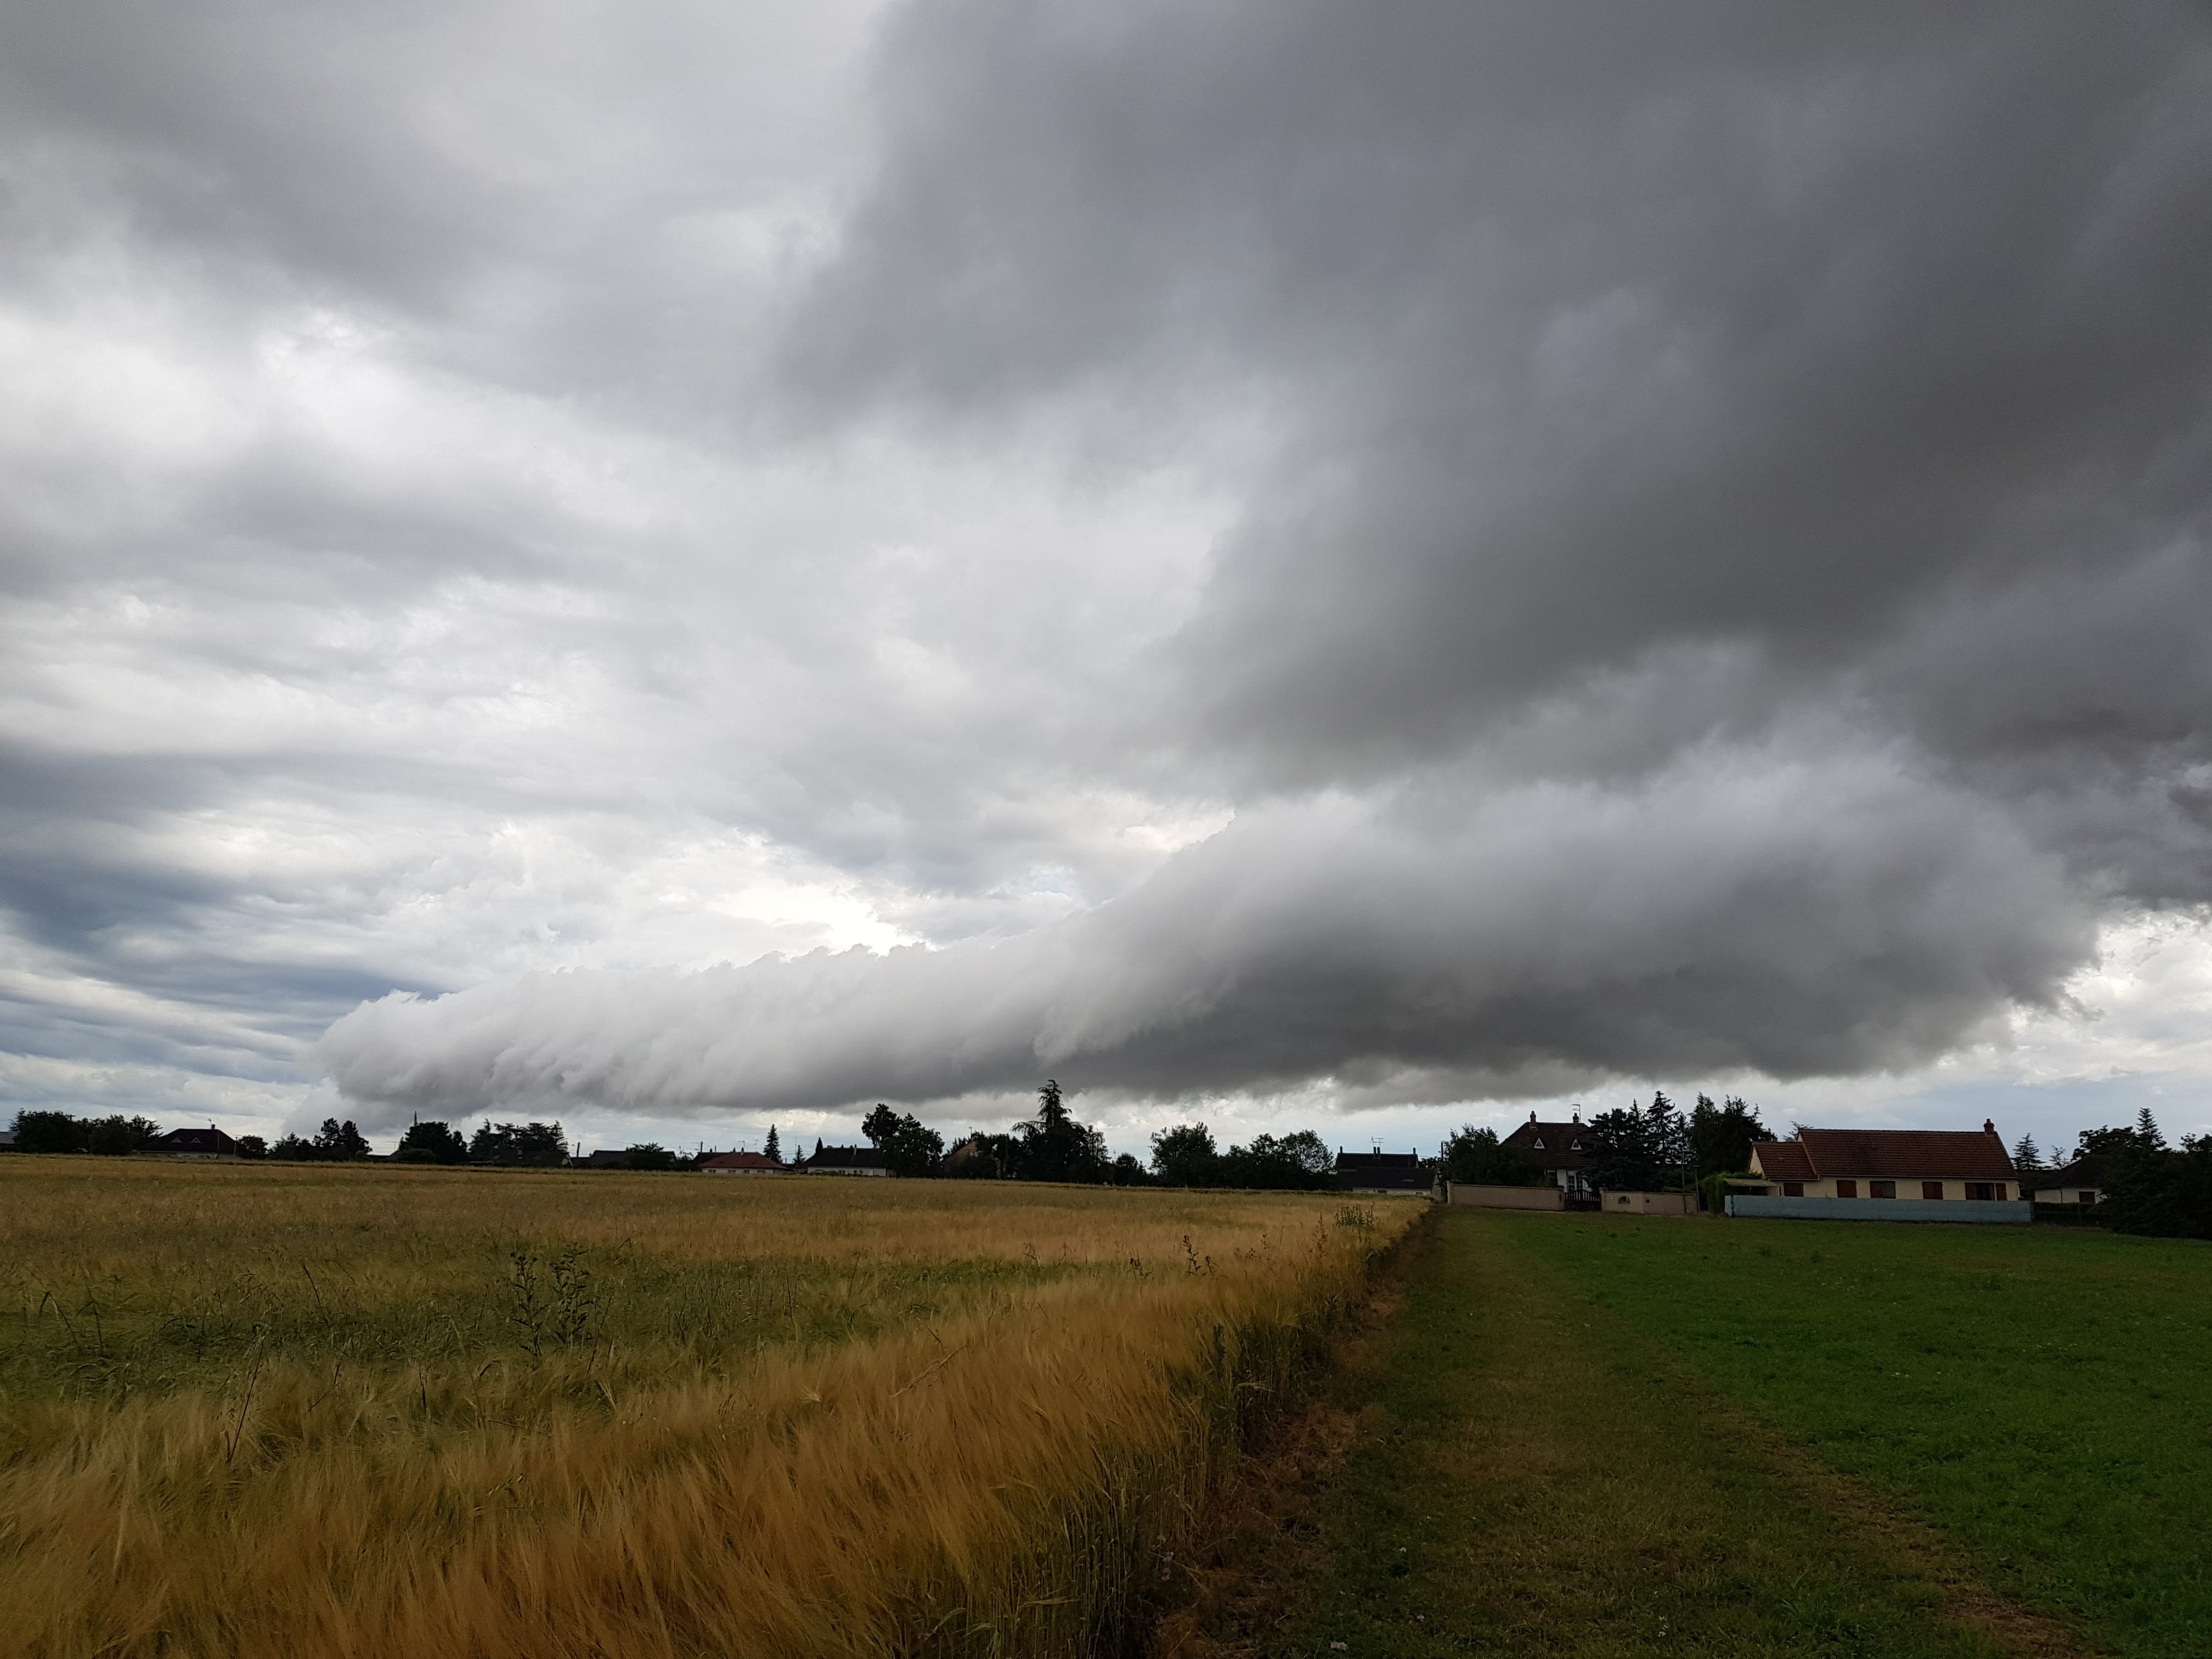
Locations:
column 253, row 1411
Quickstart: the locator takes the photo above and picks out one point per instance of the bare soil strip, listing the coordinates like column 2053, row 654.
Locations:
column 1499, row 1467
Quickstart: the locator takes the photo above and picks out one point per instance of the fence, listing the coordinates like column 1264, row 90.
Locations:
column 1883, row 1209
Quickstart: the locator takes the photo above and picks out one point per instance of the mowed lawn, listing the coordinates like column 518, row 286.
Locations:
column 1529, row 1476
column 2043, row 1397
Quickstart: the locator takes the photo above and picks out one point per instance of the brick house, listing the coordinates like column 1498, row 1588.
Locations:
column 1930, row 1164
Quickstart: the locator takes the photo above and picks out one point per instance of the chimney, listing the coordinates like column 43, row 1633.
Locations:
column 1989, row 1126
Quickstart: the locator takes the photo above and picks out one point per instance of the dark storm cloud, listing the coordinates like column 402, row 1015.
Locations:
column 1710, row 504
column 1587, row 328
column 1722, row 551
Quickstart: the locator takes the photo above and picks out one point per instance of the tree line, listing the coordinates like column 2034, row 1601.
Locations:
column 2143, row 1185
column 1655, row 1147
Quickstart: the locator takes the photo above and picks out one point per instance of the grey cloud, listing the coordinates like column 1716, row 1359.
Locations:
column 1708, row 507
column 1587, row 328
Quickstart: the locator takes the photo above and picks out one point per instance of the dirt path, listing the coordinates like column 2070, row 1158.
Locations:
column 1503, row 1468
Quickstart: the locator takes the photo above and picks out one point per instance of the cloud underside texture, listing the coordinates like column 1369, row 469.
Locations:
column 1719, row 566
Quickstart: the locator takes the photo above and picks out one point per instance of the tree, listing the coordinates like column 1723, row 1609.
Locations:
column 1632, row 1149
column 774, row 1149
column 1478, row 1156
column 1720, row 1136
column 648, row 1155
column 339, row 1143
column 292, row 1149
column 1293, row 1163
column 48, row 1132
column 979, row 1157
column 252, row 1146
column 1128, row 1172
column 909, row 1146
column 119, row 1136
column 2027, row 1157
column 437, row 1142
column 2153, row 1190
column 541, row 1146
column 1054, row 1146
column 1184, row 1156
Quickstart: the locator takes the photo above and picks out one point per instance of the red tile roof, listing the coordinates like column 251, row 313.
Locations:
column 1887, row 1155
column 1783, row 1160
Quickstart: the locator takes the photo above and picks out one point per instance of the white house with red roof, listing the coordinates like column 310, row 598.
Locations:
column 1897, row 1175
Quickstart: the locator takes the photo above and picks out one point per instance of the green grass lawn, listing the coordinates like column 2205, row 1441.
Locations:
column 2043, row 1397
column 1528, row 1480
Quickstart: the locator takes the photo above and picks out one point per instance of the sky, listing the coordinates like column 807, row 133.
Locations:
column 682, row 567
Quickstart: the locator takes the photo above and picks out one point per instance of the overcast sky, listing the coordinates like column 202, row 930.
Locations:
column 1361, row 566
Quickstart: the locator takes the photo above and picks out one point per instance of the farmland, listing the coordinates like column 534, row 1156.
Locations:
column 251, row 1410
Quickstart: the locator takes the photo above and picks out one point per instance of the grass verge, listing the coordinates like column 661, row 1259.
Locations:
column 1515, row 1471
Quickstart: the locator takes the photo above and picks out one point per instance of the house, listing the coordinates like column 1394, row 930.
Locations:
column 604, row 1160
column 845, row 1161
column 1379, row 1171
column 2081, row 1181
column 210, row 1142
column 742, row 1163
column 1900, row 1163
column 1558, row 1150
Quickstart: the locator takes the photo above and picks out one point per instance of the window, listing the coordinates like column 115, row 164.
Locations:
column 1793, row 1189
column 1931, row 1189
column 2088, row 1195
column 1881, row 1189
column 1984, row 1189
column 1537, row 1145
column 1847, row 1189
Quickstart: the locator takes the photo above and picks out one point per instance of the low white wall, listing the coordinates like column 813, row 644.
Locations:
column 1503, row 1197
column 1650, row 1203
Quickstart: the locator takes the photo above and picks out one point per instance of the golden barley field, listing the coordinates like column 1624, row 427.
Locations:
column 378, row 1411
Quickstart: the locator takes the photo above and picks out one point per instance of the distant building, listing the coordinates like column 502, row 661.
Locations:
column 1558, row 1150
column 604, row 1160
column 742, row 1163
column 210, row 1142
column 843, row 1160
column 1912, row 1164
column 1380, row 1172
column 2081, row 1181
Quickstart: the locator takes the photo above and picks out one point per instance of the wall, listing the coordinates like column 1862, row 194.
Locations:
column 1650, row 1203
column 1882, row 1209
column 1502, row 1198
